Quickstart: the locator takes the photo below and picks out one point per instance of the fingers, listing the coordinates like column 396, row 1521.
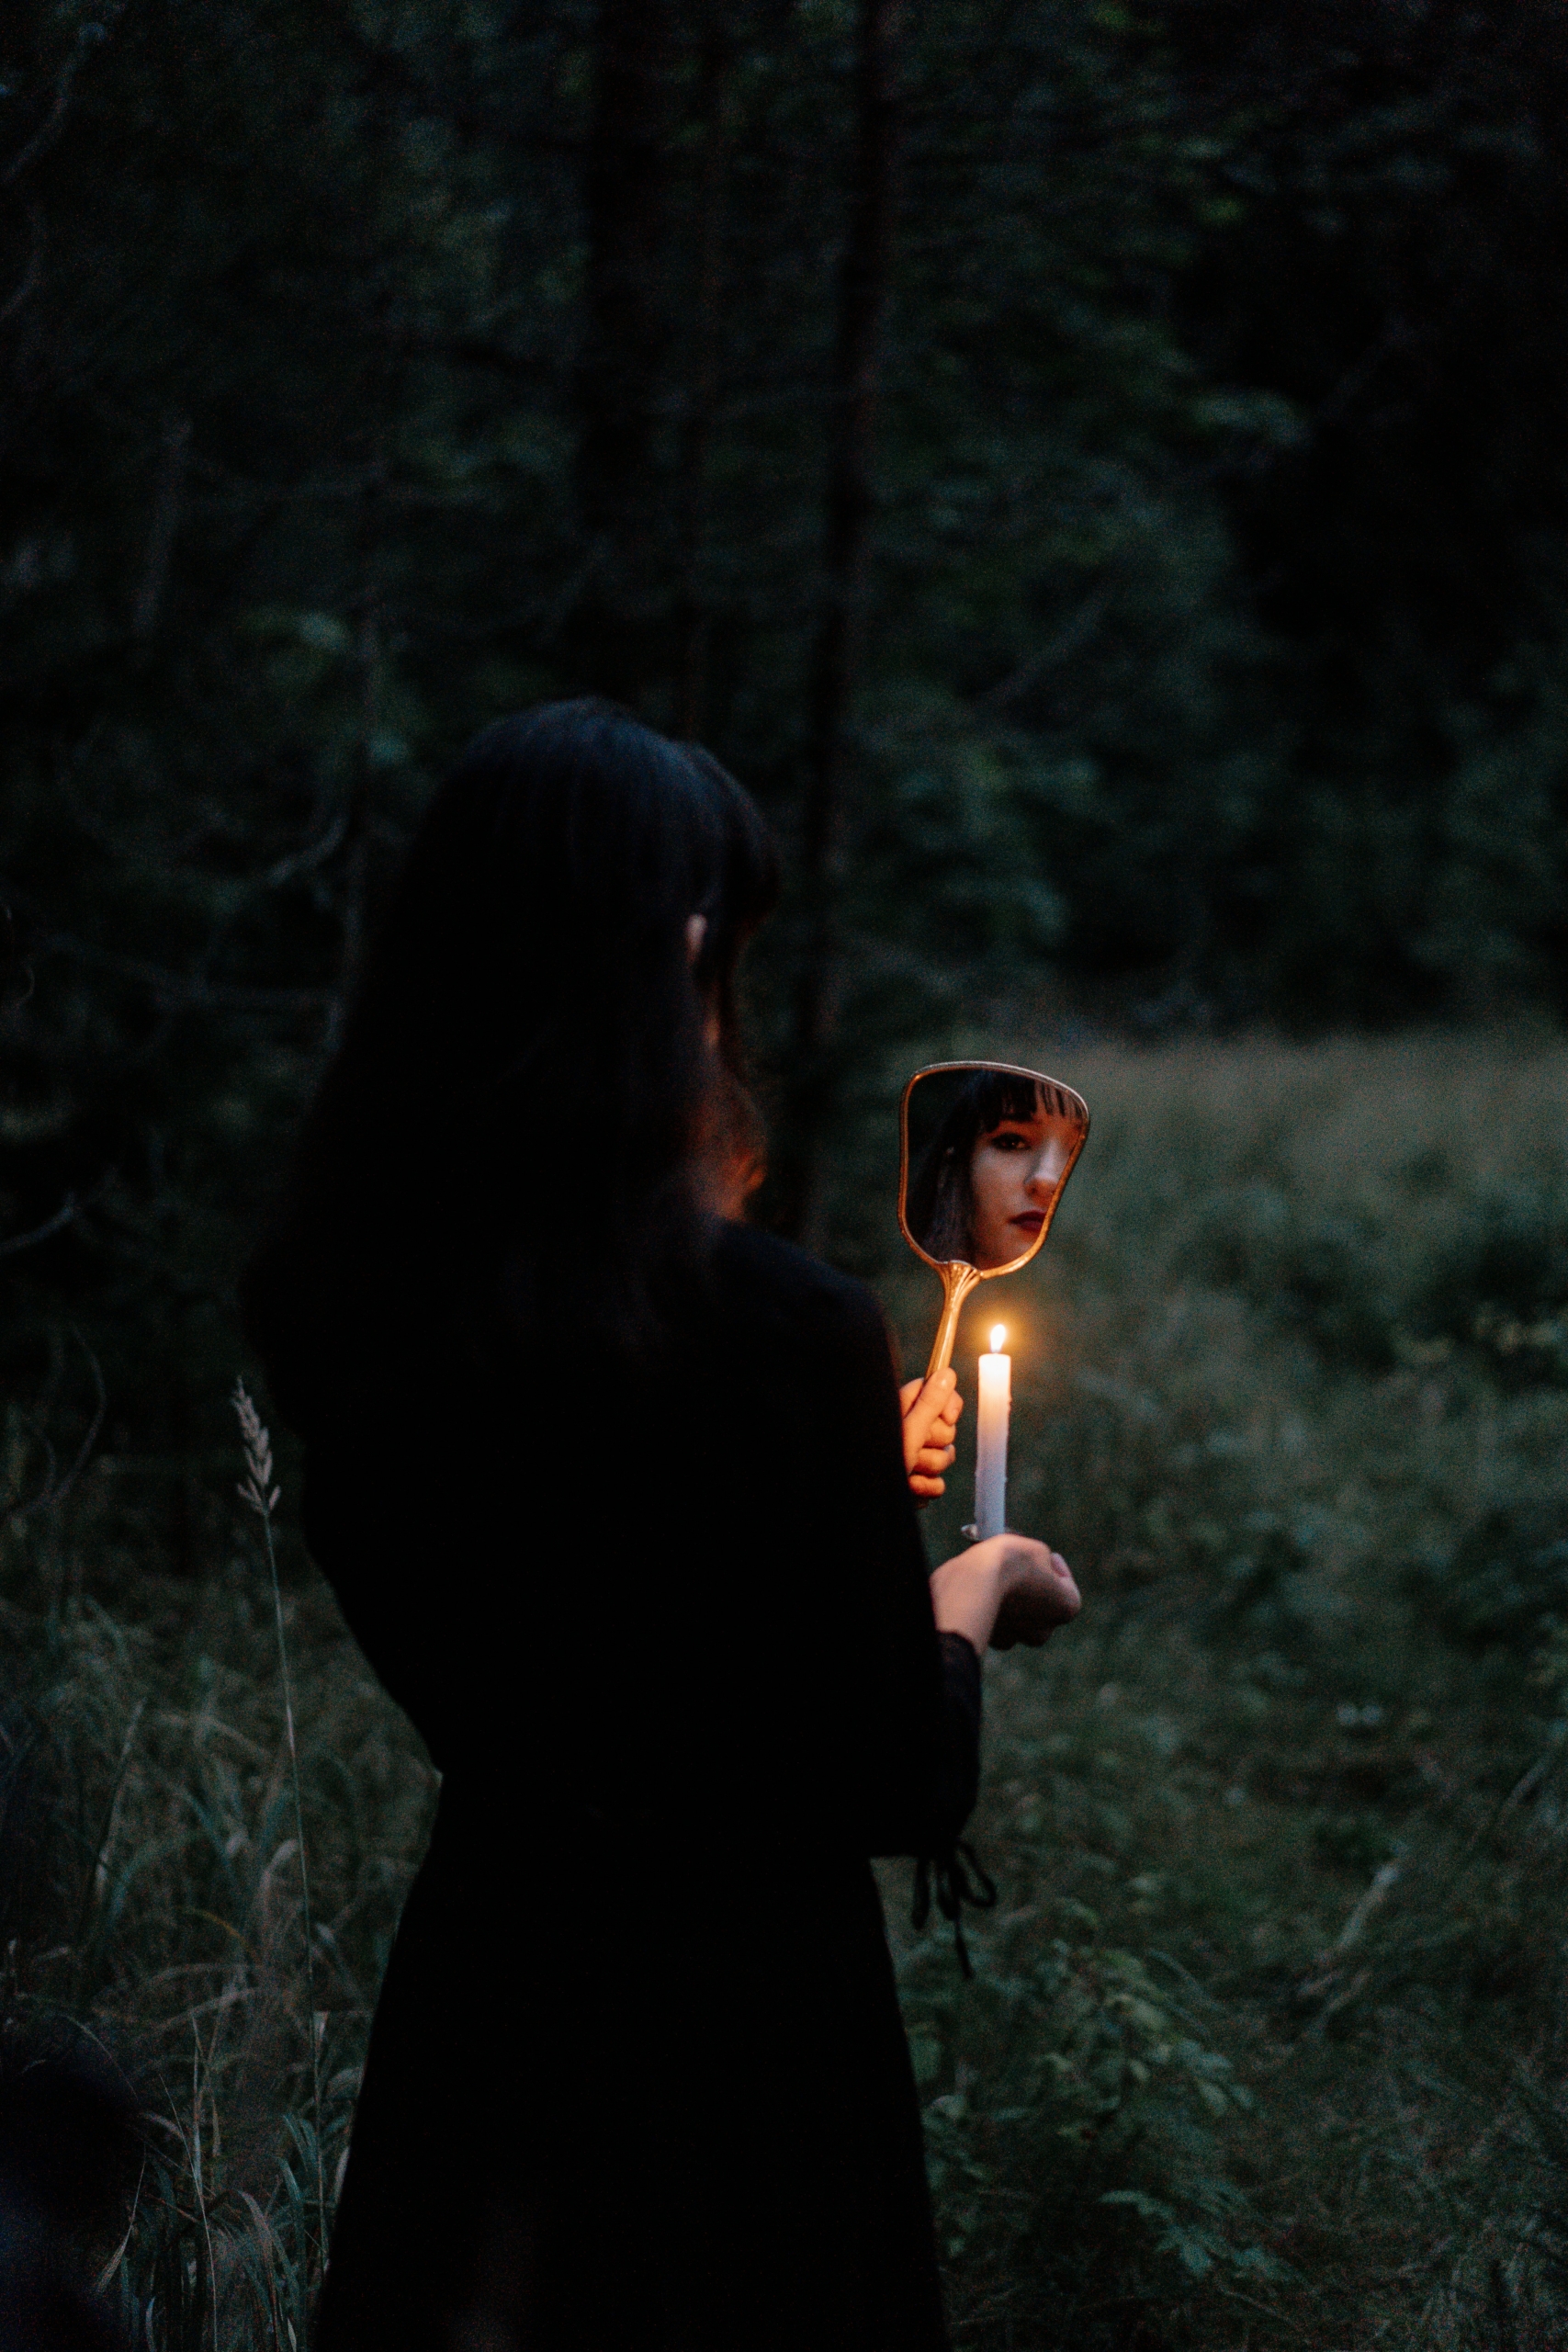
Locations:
column 925, row 1471
column 936, row 1398
column 1016, row 1555
column 1050, row 1584
column 931, row 1417
column 937, row 1440
column 1039, row 1594
column 928, row 1415
column 930, row 1397
column 942, row 1431
column 1067, row 1599
column 945, row 1416
column 1042, row 1606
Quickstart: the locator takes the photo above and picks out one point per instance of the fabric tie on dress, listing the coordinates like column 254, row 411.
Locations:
column 954, row 1888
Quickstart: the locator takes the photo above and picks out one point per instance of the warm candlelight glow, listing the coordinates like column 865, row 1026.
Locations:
column 992, row 1409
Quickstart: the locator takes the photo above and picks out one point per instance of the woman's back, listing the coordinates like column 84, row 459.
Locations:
column 639, row 2076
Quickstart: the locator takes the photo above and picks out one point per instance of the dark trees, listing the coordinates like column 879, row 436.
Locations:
column 1131, row 568
column 1391, row 269
column 864, row 275
column 625, row 334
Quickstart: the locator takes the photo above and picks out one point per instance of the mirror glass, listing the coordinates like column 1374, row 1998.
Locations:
column 988, row 1148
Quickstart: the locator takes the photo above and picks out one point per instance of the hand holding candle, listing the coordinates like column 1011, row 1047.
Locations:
column 1005, row 1588
column 1009, row 1588
column 991, row 1439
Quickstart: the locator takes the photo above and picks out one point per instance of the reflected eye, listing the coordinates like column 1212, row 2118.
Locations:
column 1008, row 1140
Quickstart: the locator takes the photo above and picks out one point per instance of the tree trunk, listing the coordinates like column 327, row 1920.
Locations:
column 714, row 57
column 862, row 300
column 620, row 369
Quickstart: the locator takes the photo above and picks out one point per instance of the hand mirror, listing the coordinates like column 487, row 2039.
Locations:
column 986, row 1152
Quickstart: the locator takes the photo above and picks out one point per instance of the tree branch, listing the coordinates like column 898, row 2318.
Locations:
column 53, row 1490
column 62, row 1217
column 167, row 503
column 181, row 990
column 32, row 276
column 53, row 122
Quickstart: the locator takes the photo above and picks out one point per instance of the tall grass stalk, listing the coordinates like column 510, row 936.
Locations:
column 258, row 1490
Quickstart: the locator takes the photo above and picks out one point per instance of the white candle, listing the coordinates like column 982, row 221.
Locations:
column 991, row 1439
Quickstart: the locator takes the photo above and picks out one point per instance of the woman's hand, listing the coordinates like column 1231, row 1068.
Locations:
column 931, row 1416
column 1007, row 1590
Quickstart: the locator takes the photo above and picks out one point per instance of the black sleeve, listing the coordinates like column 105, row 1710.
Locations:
column 900, row 1705
column 958, row 1774
column 728, row 1632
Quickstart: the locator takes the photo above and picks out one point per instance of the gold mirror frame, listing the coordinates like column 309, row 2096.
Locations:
column 958, row 1278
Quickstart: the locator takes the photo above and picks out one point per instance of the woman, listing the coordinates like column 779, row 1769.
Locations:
column 613, row 1492
column 986, row 1181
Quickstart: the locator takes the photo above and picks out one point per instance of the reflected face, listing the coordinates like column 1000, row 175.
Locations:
column 986, row 1151
column 1014, row 1168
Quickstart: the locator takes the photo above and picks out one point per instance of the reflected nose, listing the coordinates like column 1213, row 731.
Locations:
column 1046, row 1171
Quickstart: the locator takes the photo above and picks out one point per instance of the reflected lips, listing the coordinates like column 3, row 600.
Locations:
column 1030, row 1220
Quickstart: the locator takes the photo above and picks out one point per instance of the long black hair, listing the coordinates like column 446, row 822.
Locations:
column 502, row 1153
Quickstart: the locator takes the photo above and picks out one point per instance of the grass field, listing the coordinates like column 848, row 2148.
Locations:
column 1265, row 2042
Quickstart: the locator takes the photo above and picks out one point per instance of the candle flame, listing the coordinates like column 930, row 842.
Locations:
column 999, row 1333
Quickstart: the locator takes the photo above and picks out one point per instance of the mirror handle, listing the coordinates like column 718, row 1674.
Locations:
column 957, row 1282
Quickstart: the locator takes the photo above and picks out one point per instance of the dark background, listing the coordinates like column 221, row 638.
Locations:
column 1097, row 473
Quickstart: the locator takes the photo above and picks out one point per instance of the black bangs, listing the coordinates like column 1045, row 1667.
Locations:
column 998, row 1096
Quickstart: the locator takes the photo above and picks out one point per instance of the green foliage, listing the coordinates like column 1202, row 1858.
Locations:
column 1276, row 1789
column 1505, row 1580
column 1500, row 1284
column 1263, row 2032
column 1095, row 2098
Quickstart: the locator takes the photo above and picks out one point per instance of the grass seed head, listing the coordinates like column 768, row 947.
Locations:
column 258, row 1489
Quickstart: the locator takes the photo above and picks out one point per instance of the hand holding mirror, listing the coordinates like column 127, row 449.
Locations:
column 986, row 1152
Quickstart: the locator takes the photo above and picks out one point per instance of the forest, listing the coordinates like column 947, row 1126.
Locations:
column 1096, row 474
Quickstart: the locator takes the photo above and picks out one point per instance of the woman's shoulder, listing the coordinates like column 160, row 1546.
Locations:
column 761, row 1276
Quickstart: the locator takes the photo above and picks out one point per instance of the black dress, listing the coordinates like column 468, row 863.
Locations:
column 637, row 2080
